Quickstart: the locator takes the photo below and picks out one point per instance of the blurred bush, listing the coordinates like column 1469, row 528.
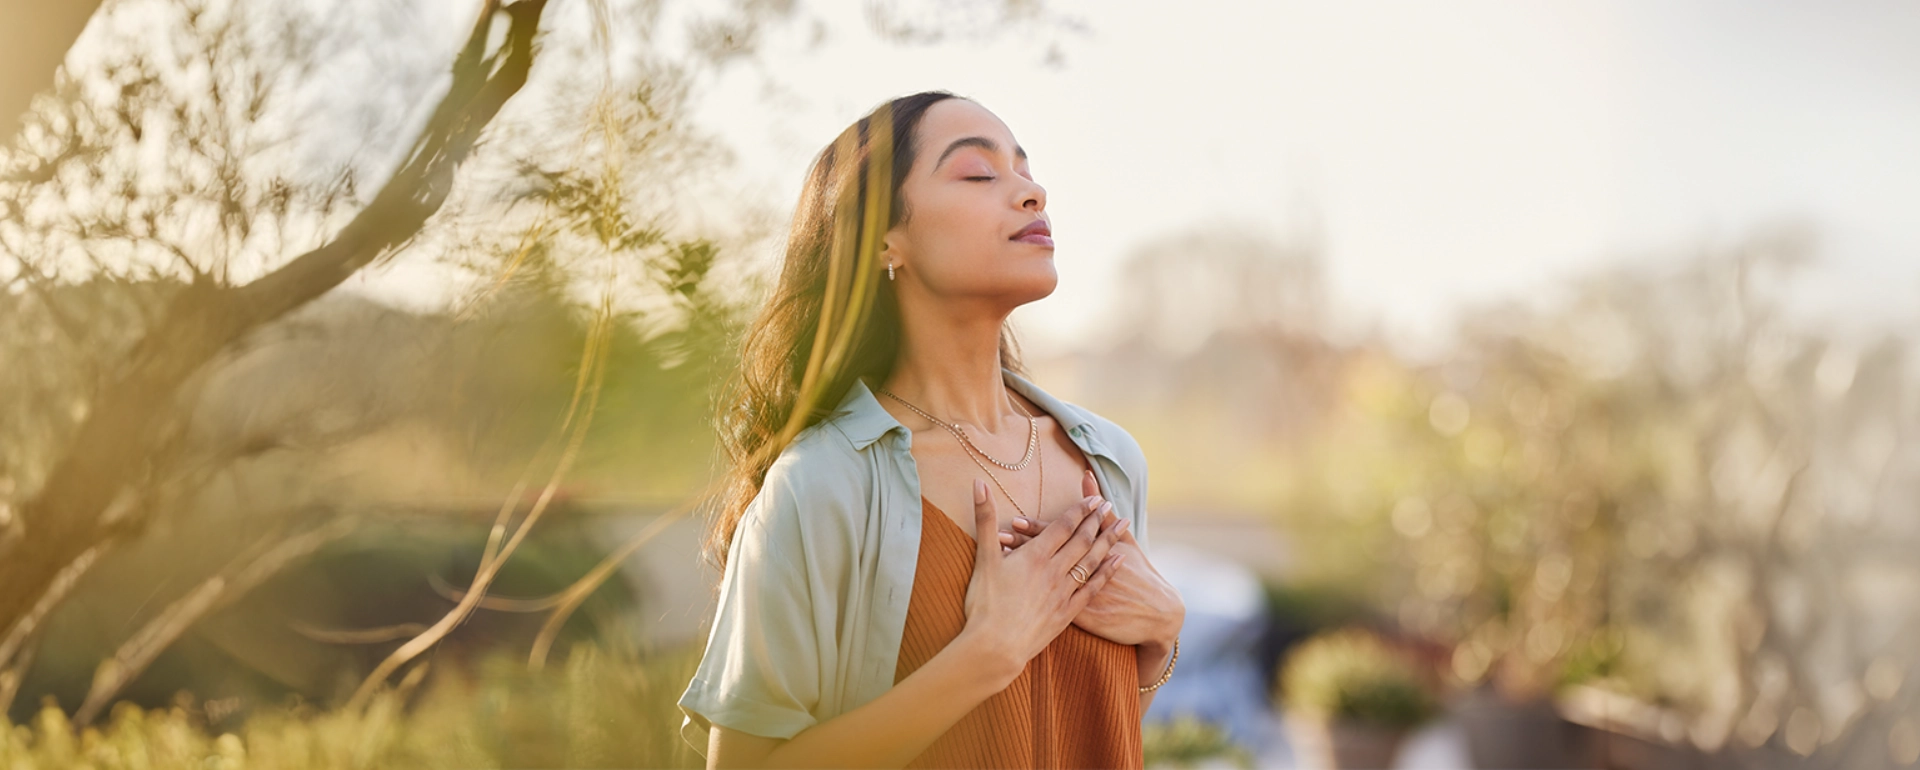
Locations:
column 1351, row 674
column 603, row 708
column 1188, row 741
column 1655, row 479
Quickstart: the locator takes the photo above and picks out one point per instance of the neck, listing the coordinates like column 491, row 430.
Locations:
column 950, row 367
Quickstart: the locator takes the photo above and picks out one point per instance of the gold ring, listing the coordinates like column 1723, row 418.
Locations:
column 1079, row 570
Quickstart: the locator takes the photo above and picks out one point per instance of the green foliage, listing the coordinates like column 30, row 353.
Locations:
column 1354, row 675
column 1313, row 606
column 600, row 709
column 1186, row 740
column 1594, row 659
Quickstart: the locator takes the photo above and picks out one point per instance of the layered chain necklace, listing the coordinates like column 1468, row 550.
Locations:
column 1033, row 443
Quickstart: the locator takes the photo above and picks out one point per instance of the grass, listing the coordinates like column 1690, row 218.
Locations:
column 598, row 709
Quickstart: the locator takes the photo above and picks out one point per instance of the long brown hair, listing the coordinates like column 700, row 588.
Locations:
column 831, row 318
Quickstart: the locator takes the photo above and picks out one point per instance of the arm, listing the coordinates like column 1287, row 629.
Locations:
column 1156, row 654
column 1140, row 607
column 890, row 730
column 1015, row 605
column 1153, row 657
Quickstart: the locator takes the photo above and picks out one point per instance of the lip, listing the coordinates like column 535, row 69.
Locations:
column 1036, row 232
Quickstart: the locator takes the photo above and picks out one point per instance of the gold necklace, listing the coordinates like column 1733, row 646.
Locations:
column 968, row 448
column 1033, row 433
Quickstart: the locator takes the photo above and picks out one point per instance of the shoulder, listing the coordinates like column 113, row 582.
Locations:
column 1113, row 439
column 816, row 481
column 820, row 460
column 1117, row 439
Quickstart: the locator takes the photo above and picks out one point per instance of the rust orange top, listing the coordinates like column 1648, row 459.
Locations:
column 1077, row 703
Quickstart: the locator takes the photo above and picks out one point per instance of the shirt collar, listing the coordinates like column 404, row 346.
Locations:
column 864, row 420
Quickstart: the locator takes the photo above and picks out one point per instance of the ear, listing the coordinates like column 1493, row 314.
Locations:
column 890, row 248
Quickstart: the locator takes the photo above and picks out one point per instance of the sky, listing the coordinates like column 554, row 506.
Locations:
column 1446, row 153
column 1442, row 154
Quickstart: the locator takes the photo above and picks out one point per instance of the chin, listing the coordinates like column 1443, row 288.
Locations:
column 1038, row 286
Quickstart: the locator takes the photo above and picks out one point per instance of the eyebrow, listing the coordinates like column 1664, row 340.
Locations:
column 977, row 141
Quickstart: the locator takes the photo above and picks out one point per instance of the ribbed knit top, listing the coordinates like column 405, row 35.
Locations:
column 1076, row 705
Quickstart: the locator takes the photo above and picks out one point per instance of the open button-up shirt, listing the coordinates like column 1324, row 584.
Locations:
column 813, row 600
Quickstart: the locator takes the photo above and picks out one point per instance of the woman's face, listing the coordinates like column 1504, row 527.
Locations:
column 970, row 193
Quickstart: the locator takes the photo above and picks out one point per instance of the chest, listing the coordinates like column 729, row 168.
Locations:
column 947, row 473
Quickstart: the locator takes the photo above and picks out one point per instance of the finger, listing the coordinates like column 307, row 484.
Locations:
column 1085, row 593
column 1104, row 512
column 1057, row 532
column 1091, row 562
column 1013, row 539
column 985, row 523
column 1083, row 538
column 1112, row 519
column 1030, row 528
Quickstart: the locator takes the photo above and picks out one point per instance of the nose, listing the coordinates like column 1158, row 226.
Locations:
column 1034, row 197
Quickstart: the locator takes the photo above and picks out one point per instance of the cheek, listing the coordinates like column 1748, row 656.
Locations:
column 956, row 214
column 954, row 229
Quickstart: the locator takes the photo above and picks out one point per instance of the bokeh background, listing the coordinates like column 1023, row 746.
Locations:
column 355, row 359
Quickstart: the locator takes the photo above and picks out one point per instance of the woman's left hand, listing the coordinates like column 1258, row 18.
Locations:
column 1138, row 605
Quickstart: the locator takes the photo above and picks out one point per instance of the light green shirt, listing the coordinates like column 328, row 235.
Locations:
column 813, row 601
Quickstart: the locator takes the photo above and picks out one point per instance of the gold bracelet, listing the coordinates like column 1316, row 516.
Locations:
column 1169, row 675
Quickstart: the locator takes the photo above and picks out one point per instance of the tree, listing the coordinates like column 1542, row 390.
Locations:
column 92, row 495
column 82, row 200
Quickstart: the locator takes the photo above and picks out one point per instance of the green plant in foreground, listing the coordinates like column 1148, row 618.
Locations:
column 598, row 709
column 1351, row 674
column 1186, row 739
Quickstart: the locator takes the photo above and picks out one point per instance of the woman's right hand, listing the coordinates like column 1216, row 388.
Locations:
column 1019, row 600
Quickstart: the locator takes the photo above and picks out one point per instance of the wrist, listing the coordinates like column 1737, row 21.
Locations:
column 1162, row 640
column 1155, row 663
column 991, row 661
column 1155, row 653
column 1153, row 657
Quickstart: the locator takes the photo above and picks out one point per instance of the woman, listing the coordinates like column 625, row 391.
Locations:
column 888, row 597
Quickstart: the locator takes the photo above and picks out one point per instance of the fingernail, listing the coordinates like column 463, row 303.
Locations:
column 1006, row 537
column 1105, row 507
column 1021, row 522
column 1122, row 526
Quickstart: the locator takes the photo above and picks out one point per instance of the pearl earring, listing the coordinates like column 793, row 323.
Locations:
column 889, row 271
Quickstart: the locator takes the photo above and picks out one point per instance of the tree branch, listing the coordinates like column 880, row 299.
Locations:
column 111, row 450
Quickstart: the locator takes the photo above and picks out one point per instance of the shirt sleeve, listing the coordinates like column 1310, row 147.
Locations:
column 1133, row 462
column 1140, row 503
column 761, row 671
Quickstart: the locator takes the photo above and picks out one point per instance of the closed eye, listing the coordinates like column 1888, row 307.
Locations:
column 972, row 178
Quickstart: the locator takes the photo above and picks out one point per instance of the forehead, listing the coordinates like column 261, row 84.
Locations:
column 951, row 119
